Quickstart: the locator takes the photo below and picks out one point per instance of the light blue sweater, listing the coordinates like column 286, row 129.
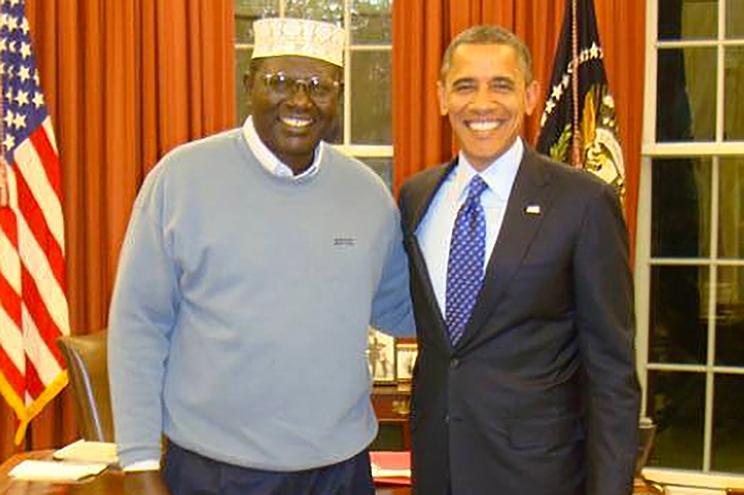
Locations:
column 238, row 323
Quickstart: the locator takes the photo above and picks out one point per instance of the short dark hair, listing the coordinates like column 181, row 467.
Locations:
column 489, row 35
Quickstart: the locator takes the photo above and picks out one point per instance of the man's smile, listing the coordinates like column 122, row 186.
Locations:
column 295, row 122
column 483, row 125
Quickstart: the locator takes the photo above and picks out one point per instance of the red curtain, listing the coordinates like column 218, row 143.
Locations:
column 124, row 82
column 423, row 28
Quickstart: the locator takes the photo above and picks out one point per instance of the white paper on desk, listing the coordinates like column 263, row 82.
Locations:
column 55, row 470
column 85, row 451
column 686, row 490
column 378, row 472
column 681, row 478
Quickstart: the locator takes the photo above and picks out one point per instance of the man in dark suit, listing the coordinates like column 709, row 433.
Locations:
column 525, row 381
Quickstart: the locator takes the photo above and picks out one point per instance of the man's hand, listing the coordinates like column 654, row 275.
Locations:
column 145, row 483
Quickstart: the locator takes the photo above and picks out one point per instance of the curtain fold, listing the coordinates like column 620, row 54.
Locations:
column 420, row 136
column 423, row 28
column 125, row 82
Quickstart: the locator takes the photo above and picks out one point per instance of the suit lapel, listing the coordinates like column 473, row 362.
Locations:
column 528, row 204
column 422, row 198
column 426, row 192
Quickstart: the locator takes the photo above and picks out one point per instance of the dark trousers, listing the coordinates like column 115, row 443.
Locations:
column 188, row 473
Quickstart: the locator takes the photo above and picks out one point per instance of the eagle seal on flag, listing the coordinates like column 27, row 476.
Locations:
column 579, row 108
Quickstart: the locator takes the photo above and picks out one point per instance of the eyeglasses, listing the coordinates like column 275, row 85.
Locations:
column 318, row 89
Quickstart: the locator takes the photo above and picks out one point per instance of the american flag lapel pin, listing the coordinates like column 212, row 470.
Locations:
column 532, row 210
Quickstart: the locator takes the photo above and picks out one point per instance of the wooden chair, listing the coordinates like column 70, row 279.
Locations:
column 88, row 371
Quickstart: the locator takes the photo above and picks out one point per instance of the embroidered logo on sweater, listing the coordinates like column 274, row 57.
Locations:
column 344, row 241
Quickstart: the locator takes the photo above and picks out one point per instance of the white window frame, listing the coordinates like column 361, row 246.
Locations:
column 644, row 262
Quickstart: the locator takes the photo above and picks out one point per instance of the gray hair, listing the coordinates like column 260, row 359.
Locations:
column 489, row 35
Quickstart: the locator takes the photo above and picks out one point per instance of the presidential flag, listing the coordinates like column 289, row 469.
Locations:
column 33, row 305
column 578, row 124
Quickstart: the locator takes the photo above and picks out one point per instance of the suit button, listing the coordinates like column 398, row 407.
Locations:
column 447, row 418
column 454, row 363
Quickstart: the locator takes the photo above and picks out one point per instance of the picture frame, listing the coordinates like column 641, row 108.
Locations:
column 406, row 352
column 381, row 356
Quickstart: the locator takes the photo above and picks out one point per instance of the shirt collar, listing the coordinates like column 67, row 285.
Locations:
column 499, row 175
column 270, row 162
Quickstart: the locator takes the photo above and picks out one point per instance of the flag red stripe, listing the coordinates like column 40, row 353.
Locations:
column 48, row 158
column 12, row 374
column 34, row 385
column 8, row 226
column 9, row 298
column 40, row 314
column 36, row 222
column 10, row 301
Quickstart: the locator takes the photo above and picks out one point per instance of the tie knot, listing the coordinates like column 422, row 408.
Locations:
column 476, row 188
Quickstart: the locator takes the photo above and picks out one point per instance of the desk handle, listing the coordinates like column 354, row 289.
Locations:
column 401, row 407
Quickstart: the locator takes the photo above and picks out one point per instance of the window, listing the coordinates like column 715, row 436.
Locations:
column 365, row 120
column 690, row 250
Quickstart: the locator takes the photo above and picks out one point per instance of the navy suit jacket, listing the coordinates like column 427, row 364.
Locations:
column 540, row 394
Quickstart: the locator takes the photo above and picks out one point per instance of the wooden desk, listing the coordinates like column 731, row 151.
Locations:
column 392, row 404
column 109, row 483
column 112, row 482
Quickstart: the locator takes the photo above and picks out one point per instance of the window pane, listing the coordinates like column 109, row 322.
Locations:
column 319, row 10
column 247, row 11
column 731, row 208
column 679, row 314
column 677, row 402
column 734, row 93
column 730, row 316
column 688, row 19
column 371, row 119
column 734, row 19
column 371, row 22
column 680, row 207
column 686, row 94
column 242, row 61
column 336, row 134
column 728, row 427
column 382, row 167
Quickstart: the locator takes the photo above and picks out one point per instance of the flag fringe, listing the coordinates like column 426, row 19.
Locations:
column 11, row 397
column 26, row 413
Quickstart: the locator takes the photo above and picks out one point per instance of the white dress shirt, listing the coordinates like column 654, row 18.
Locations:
column 269, row 160
column 434, row 233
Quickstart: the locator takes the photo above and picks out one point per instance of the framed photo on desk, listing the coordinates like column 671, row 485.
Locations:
column 381, row 356
column 405, row 358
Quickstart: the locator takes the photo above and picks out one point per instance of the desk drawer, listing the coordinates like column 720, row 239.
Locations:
column 392, row 405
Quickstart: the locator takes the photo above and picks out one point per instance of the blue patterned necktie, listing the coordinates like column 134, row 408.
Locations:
column 465, row 264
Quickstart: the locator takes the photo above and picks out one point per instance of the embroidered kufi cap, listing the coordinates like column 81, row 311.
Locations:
column 289, row 36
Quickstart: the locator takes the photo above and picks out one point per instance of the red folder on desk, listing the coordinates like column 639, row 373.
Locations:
column 391, row 467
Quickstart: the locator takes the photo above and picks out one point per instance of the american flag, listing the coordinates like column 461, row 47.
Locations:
column 33, row 305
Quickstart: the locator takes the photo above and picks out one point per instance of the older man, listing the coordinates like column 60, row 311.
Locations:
column 525, row 381
column 253, row 263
